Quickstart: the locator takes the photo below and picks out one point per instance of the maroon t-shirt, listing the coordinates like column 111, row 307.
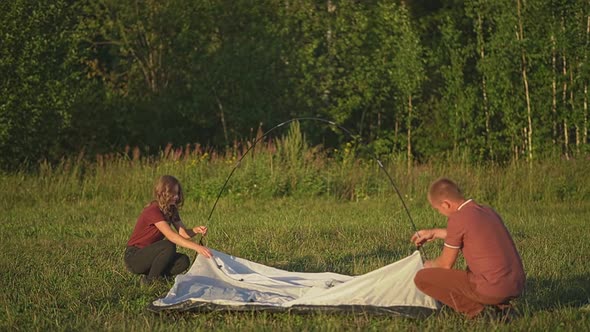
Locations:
column 495, row 267
column 145, row 231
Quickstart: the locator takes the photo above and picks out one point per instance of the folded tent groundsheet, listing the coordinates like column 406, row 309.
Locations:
column 227, row 283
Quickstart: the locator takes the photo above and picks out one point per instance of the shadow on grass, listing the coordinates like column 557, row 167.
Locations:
column 343, row 264
column 548, row 294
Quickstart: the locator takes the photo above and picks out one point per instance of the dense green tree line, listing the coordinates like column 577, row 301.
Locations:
column 499, row 80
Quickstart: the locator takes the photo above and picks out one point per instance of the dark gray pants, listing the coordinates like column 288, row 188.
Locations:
column 159, row 259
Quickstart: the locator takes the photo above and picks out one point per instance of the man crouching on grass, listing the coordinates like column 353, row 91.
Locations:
column 494, row 273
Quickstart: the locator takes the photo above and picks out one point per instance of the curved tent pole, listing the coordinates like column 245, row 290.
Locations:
column 348, row 132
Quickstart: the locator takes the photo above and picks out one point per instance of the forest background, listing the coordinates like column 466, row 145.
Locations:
column 490, row 81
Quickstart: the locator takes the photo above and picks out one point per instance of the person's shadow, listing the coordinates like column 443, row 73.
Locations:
column 549, row 294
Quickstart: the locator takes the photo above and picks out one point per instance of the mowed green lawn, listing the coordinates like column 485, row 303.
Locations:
column 61, row 257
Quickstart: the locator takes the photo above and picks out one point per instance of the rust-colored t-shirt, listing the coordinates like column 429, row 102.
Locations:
column 494, row 265
column 145, row 231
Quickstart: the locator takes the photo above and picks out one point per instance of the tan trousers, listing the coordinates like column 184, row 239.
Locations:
column 452, row 288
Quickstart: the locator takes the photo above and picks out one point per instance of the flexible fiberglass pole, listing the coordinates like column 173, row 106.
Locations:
column 348, row 132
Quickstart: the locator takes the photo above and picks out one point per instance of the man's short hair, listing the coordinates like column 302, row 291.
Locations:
column 444, row 188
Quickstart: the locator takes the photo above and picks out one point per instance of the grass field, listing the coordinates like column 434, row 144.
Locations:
column 64, row 231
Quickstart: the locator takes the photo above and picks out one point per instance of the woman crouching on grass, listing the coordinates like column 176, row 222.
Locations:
column 151, row 250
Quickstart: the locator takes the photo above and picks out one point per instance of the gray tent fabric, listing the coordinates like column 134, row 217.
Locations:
column 228, row 283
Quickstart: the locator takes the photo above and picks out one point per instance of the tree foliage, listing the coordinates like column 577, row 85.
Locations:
column 40, row 80
column 497, row 81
